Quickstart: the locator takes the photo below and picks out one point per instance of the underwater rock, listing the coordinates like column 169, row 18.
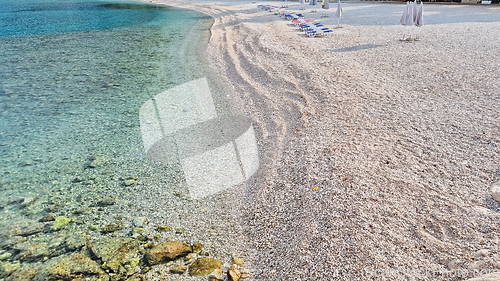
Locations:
column 28, row 201
column 204, row 266
column 5, row 256
column 108, row 201
column 139, row 221
column 31, row 251
column 129, row 182
column 98, row 161
column 31, row 227
column 178, row 269
column 60, row 223
column 78, row 179
column 22, row 228
column 112, row 227
column 48, row 217
column 24, row 273
column 82, row 211
column 6, row 268
column 75, row 241
column 117, row 254
column 166, row 251
column 10, row 242
column 69, row 267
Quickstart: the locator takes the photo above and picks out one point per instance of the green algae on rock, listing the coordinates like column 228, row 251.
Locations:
column 60, row 223
column 204, row 266
column 166, row 251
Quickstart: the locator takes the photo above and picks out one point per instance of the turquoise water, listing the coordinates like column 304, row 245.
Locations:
column 73, row 76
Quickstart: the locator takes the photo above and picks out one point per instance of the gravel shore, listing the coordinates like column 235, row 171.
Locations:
column 376, row 155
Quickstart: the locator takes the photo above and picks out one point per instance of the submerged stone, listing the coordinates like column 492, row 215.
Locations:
column 204, row 266
column 48, row 217
column 112, row 227
column 166, row 251
column 32, row 251
column 98, row 161
column 6, row 268
column 129, row 182
column 75, row 242
column 108, row 201
column 68, row 268
column 24, row 273
column 117, row 254
column 60, row 223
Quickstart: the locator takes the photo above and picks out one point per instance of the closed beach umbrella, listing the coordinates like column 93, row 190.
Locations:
column 338, row 14
column 420, row 15
column 415, row 11
column 409, row 15
column 404, row 17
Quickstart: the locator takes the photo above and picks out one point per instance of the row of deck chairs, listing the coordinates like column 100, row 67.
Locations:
column 308, row 26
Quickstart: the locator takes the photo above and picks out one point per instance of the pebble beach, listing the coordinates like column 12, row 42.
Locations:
column 377, row 157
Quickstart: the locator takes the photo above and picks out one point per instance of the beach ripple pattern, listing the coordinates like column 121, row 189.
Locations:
column 216, row 152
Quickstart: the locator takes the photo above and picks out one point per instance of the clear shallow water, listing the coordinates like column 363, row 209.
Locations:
column 28, row 17
column 73, row 76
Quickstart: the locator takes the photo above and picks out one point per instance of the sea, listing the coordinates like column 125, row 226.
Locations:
column 73, row 77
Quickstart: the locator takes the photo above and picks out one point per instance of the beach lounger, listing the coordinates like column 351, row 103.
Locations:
column 305, row 27
column 319, row 32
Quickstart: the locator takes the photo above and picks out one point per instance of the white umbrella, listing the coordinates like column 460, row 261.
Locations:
column 415, row 11
column 405, row 13
column 409, row 15
column 338, row 14
column 420, row 15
